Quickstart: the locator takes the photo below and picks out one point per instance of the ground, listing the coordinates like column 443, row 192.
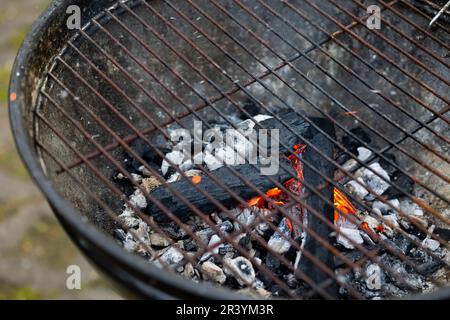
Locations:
column 34, row 250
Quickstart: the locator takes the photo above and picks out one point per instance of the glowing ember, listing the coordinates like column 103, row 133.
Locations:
column 294, row 185
column 342, row 205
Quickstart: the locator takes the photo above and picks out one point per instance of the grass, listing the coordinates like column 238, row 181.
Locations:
column 8, row 209
column 4, row 84
column 10, row 162
column 47, row 242
column 10, row 292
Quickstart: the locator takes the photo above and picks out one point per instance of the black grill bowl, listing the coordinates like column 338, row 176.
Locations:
column 89, row 227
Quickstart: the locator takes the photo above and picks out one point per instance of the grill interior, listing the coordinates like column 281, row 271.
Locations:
column 142, row 68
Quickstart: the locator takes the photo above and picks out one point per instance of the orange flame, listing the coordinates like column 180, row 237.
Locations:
column 276, row 194
column 342, row 205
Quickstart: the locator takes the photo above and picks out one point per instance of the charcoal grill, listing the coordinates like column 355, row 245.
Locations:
column 81, row 99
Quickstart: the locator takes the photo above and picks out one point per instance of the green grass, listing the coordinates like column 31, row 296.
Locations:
column 4, row 84
column 10, row 292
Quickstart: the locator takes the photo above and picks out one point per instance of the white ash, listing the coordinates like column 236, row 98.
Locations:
column 431, row 244
column 392, row 219
column 278, row 243
column 411, row 208
column 213, row 272
column 374, row 180
column 246, row 217
column 356, row 188
column 350, row 165
column 215, row 239
column 345, row 234
column 373, row 277
column 171, row 256
column 371, row 222
column 241, row 269
column 364, row 154
column 142, row 232
column 130, row 243
column 128, row 219
column 138, row 199
column 384, row 207
column 136, row 177
column 175, row 156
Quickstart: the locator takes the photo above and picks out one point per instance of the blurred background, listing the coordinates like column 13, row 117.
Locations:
column 34, row 250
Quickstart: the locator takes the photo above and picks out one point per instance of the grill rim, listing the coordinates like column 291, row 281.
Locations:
column 86, row 236
column 68, row 216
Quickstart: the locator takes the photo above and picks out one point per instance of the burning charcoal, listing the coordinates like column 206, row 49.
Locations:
column 215, row 217
column 367, row 239
column 371, row 222
column 350, row 165
column 128, row 219
column 384, row 207
column 342, row 158
column 353, row 256
column 188, row 271
column 175, row 156
column 174, row 232
column 179, row 269
column 443, row 233
column 404, row 182
column 351, row 143
column 150, row 184
column 138, row 199
column 124, row 184
column 171, row 257
column 356, row 189
column 119, row 234
column 352, row 234
column 226, row 226
column 244, row 242
column 429, row 268
column 205, row 234
column 215, row 239
column 129, row 243
column 190, row 245
column 238, row 186
column 142, row 233
column 273, row 263
column 392, row 219
column 411, row 208
column 364, row 154
column 241, row 269
column 159, row 240
column 227, row 248
column 291, row 280
column 276, row 242
column 390, row 169
column 373, row 277
column 212, row 272
column 212, row 162
column 246, row 217
column 373, row 180
column 402, row 243
column 430, row 244
column 391, row 290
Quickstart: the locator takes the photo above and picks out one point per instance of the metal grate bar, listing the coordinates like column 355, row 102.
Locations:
column 106, row 152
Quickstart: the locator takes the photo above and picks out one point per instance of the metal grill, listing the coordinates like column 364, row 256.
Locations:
column 141, row 67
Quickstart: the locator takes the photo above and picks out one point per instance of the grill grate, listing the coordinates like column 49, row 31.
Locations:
column 143, row 66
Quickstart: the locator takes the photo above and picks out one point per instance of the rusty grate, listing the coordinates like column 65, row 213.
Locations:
column 141, row 68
